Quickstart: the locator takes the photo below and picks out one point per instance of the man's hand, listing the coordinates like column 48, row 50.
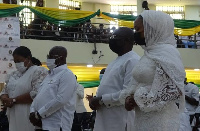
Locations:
column 130, row 103
column 89, row 97
column 94, row 103
column 34, row 121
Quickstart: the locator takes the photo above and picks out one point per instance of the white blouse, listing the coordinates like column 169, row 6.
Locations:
column 155, row 95
column 18, row 84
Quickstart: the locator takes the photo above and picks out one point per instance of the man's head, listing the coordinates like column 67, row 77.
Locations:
column 40, row 3
column 122, row 41
column 145, row 5
column 101, row 26
column 57, row 55
column 102, row 73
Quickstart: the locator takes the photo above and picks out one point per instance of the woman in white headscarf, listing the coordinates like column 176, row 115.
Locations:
column 156, row 92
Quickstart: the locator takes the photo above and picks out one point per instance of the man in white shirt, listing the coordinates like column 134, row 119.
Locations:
column 111, row 114
column 54, row 106
column 192, row 98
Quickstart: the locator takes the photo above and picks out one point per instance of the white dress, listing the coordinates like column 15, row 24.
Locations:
column 18, row 84
column 152, row 114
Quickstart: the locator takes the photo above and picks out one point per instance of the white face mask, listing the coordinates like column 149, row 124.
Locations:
column 51, row 63
column 20, row 67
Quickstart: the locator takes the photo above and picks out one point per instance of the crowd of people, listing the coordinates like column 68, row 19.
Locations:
column 147, row 93
column 85, row 32
column 188, row 41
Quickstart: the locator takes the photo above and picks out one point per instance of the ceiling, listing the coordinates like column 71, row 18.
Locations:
column 156, row 2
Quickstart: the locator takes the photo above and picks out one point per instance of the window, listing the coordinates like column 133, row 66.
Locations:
column 124, row 9
column 176, row 12
column 68, row 4
column 26, row 16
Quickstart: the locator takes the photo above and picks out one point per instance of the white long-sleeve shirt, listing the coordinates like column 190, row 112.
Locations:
column 56, row 100
column 113, row 116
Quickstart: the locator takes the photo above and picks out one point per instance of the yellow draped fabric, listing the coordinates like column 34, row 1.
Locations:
column 62, row 14
column 74, row 17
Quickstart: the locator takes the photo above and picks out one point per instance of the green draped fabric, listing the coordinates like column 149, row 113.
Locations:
column 121, row 17
column 11, row 11
column 63, row 22
column 90, row 84
column 183, row 24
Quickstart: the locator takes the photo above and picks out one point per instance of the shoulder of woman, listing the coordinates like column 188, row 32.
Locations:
column 40, row 70
column 13, row 73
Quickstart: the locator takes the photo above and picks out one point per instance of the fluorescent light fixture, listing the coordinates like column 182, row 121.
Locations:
column 196, row 69
column 89, row 65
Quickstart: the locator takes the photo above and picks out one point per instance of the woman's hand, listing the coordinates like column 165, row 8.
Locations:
column 130, row 103
column 8, row 102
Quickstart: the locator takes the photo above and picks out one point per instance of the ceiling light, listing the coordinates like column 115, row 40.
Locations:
column 89, row 65
column 196, row 69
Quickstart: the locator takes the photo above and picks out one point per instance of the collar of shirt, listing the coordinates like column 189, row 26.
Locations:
column 58, row 69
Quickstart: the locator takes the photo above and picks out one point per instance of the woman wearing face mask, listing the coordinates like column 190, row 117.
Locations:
column 157, row 88
column 20, row 89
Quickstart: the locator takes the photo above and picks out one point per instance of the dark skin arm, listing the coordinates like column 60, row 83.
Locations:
column 22, row 99
column 191, row 101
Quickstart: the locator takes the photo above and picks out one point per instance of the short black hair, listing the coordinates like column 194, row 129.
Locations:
column 22, row 51
column 103, row 71
column 126, row 33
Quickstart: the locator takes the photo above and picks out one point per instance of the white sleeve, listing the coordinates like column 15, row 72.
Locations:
column 161, row 93
column 80, row 91
column 128, row 91
column 66, row 90
column 32, row 109
column 38, row 76
column 113, row 99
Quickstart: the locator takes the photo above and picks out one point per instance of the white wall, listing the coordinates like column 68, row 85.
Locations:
column 82, row 52
column 52, row 3
column 152, row 7
column 192, row 12
column 87, row 6
column 95, row 7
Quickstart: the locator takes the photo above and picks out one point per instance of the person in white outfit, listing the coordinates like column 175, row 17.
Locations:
column 191, row 98
column 157, row 89
column 185, row 121
column 54, row 106
column 111, row 114
column 21, row 88
column 80, row 108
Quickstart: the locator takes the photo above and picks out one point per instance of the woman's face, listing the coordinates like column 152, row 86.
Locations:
column 18, row 59
column 138, row 26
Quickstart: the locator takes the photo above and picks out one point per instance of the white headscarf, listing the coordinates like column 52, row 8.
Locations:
column 161, row 47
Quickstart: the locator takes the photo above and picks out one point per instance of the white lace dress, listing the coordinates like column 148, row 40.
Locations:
column 155, row 95
column 16, row 85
